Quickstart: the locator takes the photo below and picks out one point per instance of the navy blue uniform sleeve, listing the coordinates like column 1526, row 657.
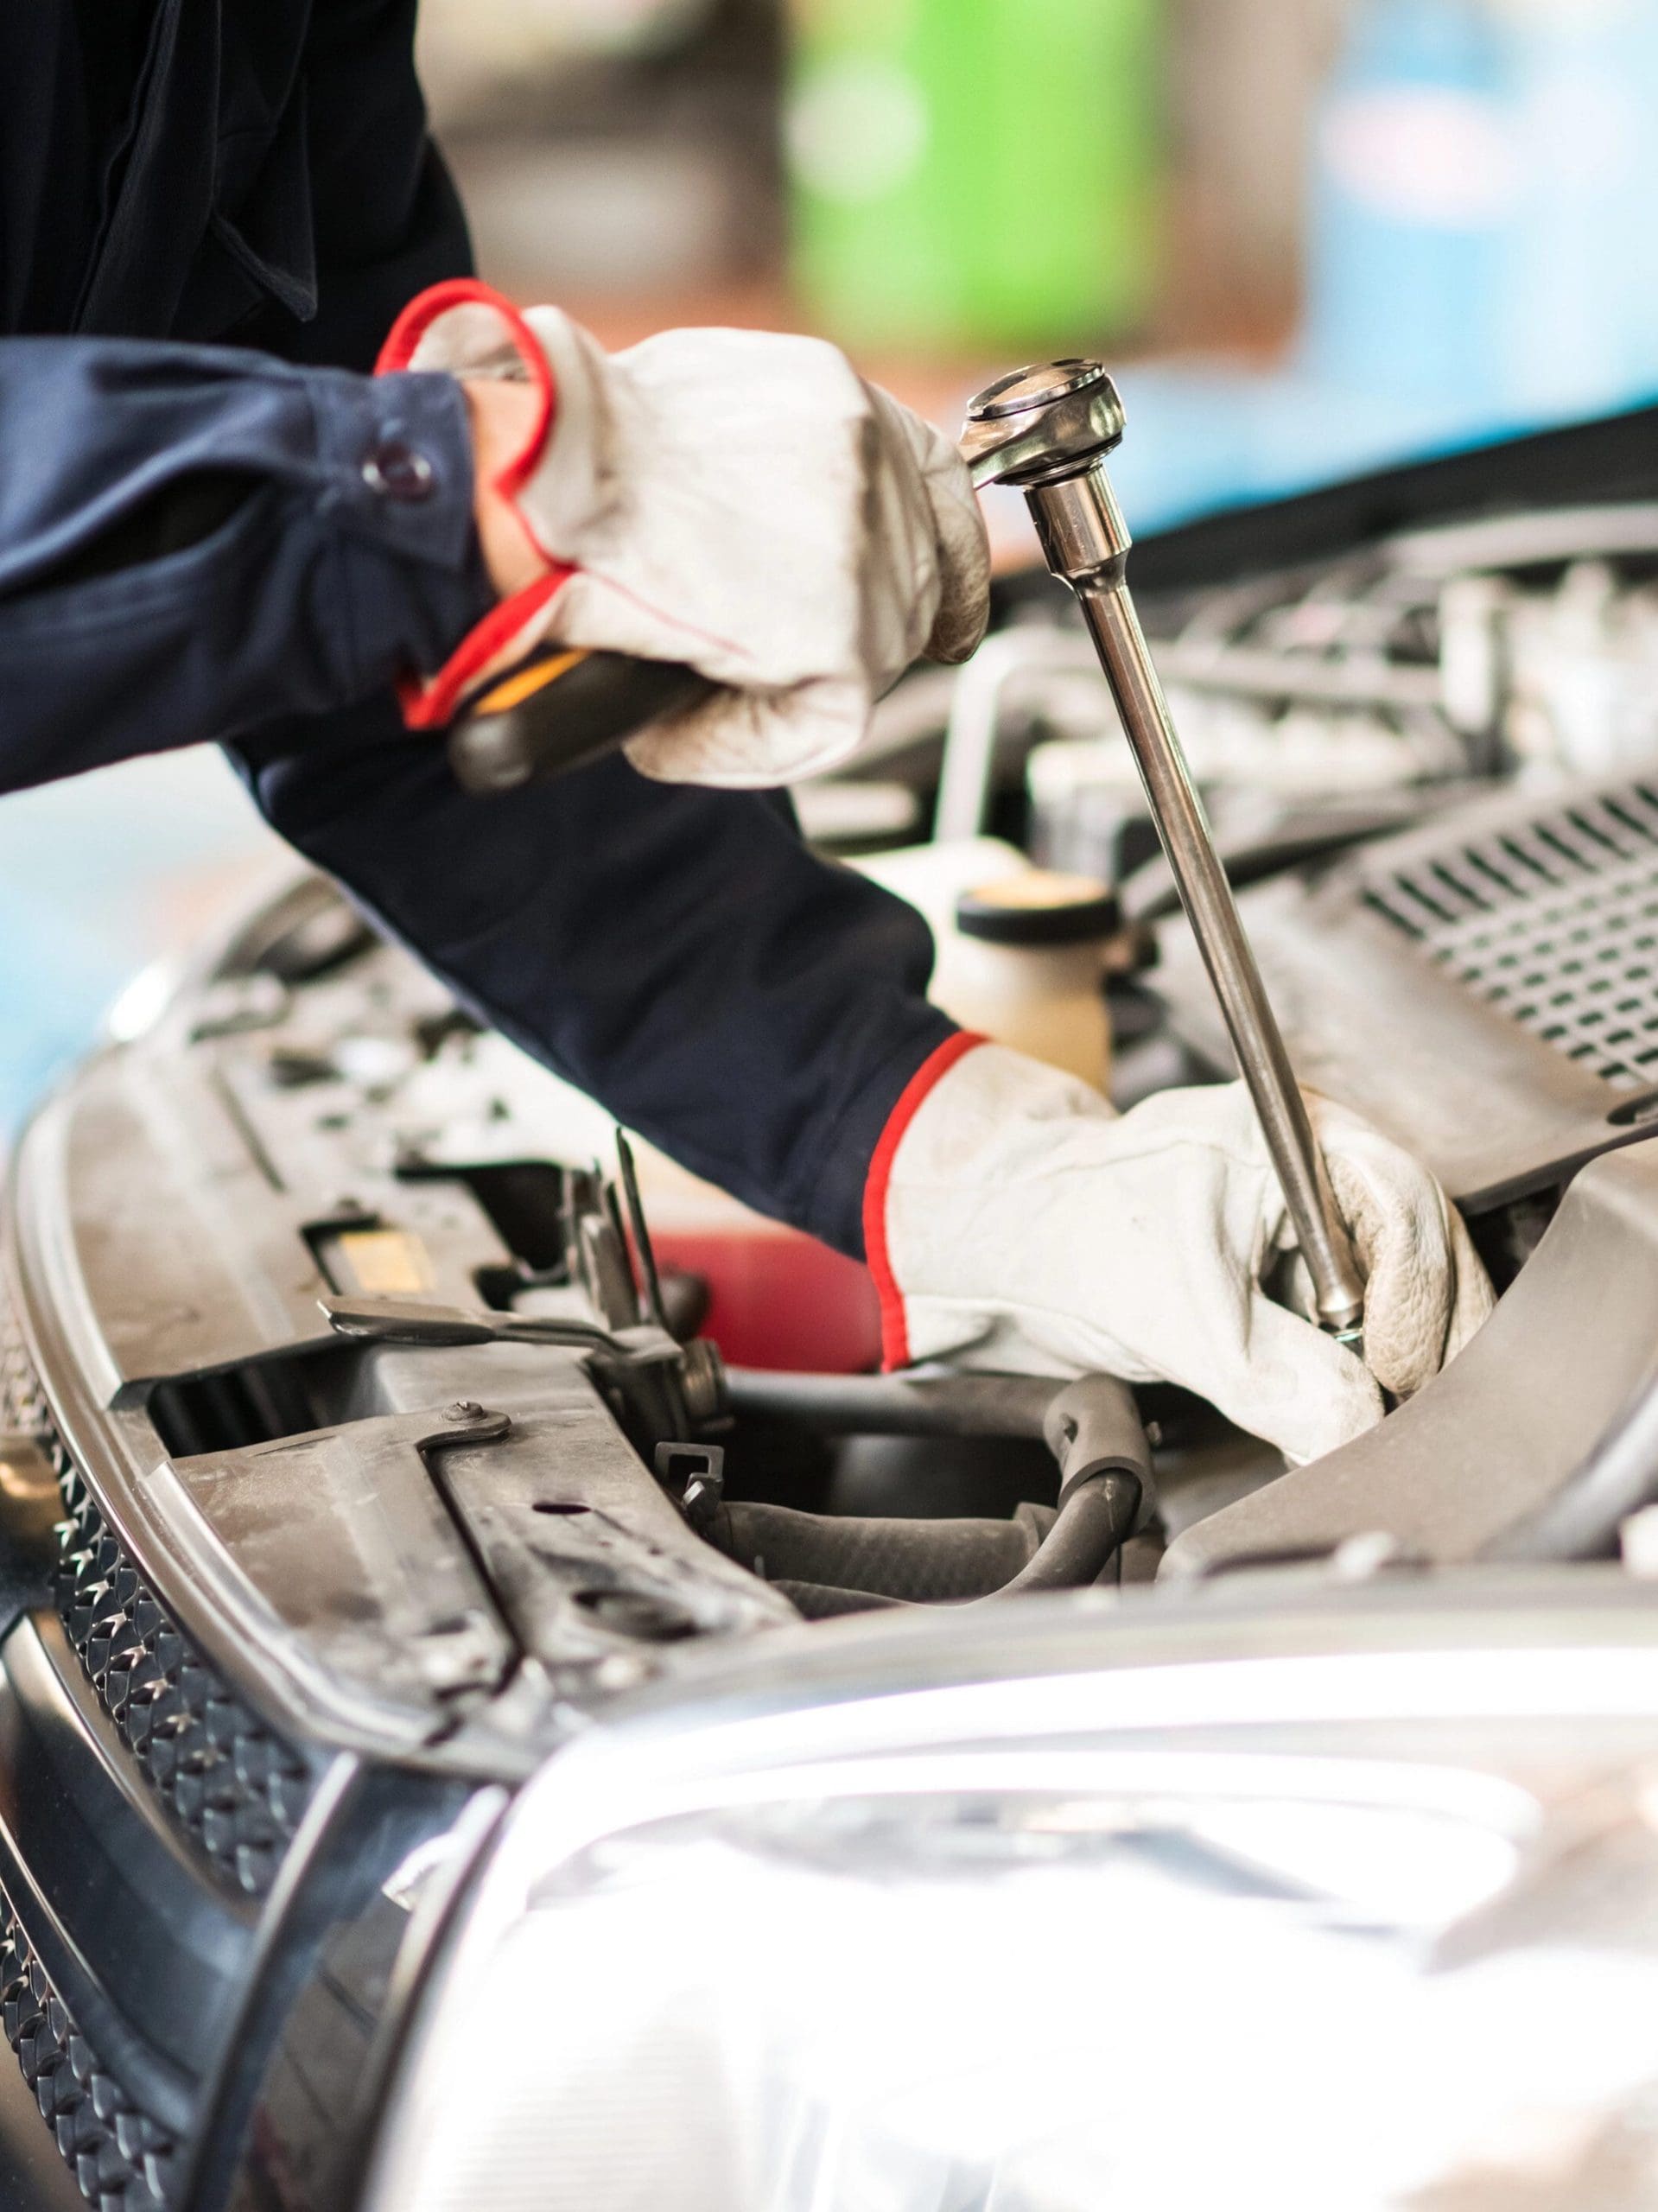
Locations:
column 194, row 540
column 678, row 953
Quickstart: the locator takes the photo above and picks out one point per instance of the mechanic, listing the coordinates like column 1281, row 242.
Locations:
column 216, row 217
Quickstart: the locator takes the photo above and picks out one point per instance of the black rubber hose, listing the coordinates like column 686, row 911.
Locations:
column 1091, row 1426
column 1095, row 1520
column 914, row 1562
column 828, row 1565
column 893, row 1405
column 1087, row 1424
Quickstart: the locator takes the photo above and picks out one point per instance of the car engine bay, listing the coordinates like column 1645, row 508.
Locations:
column 404, row 1361
column 362, row 1391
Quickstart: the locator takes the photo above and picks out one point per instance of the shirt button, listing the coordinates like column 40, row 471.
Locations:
column 398, row 472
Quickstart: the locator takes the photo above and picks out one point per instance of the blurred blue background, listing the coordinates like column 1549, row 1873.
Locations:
column 1481, row 253
column 97, row 877
column 1358, row 229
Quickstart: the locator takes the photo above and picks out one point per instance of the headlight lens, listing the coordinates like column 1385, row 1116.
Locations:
column 889, row 1954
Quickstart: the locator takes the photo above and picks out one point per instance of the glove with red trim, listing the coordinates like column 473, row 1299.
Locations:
column 1015, row 1221
column 739, row 501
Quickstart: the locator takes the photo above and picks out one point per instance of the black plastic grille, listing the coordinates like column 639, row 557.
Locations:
column 121, row 2158
column 235, row 1786
column 1556, row 922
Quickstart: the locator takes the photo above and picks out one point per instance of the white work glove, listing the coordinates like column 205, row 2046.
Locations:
column 738, row 500
column 1027, row 1227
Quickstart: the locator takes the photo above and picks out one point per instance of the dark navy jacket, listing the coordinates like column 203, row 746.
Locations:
column 210, row 212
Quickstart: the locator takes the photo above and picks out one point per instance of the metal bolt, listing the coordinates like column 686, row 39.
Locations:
column 465, row 1409
column 703, row 1378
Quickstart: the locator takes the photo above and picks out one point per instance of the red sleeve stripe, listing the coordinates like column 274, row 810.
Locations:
column 430, row 705
column 403, row 338
column 894, row 1329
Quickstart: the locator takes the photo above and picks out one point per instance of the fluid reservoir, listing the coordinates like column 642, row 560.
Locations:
column 1019, row 952
column 1026, row 964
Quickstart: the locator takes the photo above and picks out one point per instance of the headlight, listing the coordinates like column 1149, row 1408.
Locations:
column 1241, row 1931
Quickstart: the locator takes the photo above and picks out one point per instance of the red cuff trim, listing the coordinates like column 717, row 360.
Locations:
column 431, row 703
column 894, row 1329
column 424, row 310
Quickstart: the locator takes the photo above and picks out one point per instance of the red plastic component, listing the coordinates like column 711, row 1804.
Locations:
column 778, row 1298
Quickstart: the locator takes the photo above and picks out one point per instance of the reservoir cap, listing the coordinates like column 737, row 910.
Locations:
column 1040, row 907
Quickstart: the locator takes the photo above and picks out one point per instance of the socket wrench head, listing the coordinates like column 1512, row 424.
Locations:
column 1048, row 430
column 1042, row 424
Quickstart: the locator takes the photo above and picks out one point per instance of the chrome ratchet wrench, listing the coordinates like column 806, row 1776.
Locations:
column 1047, row 430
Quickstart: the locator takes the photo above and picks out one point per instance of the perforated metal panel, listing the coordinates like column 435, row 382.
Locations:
column 235, row 1786
column 122, row 2160
column 1552, row 921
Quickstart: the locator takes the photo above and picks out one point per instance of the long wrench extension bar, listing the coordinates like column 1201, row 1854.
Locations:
column 1048, row 430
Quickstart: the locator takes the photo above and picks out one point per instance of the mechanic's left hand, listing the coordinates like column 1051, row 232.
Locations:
column 1022, row 1224
column 738, row 500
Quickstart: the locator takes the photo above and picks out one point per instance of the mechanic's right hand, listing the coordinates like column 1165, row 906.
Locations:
column 1020, row 1224
column 737, row 501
